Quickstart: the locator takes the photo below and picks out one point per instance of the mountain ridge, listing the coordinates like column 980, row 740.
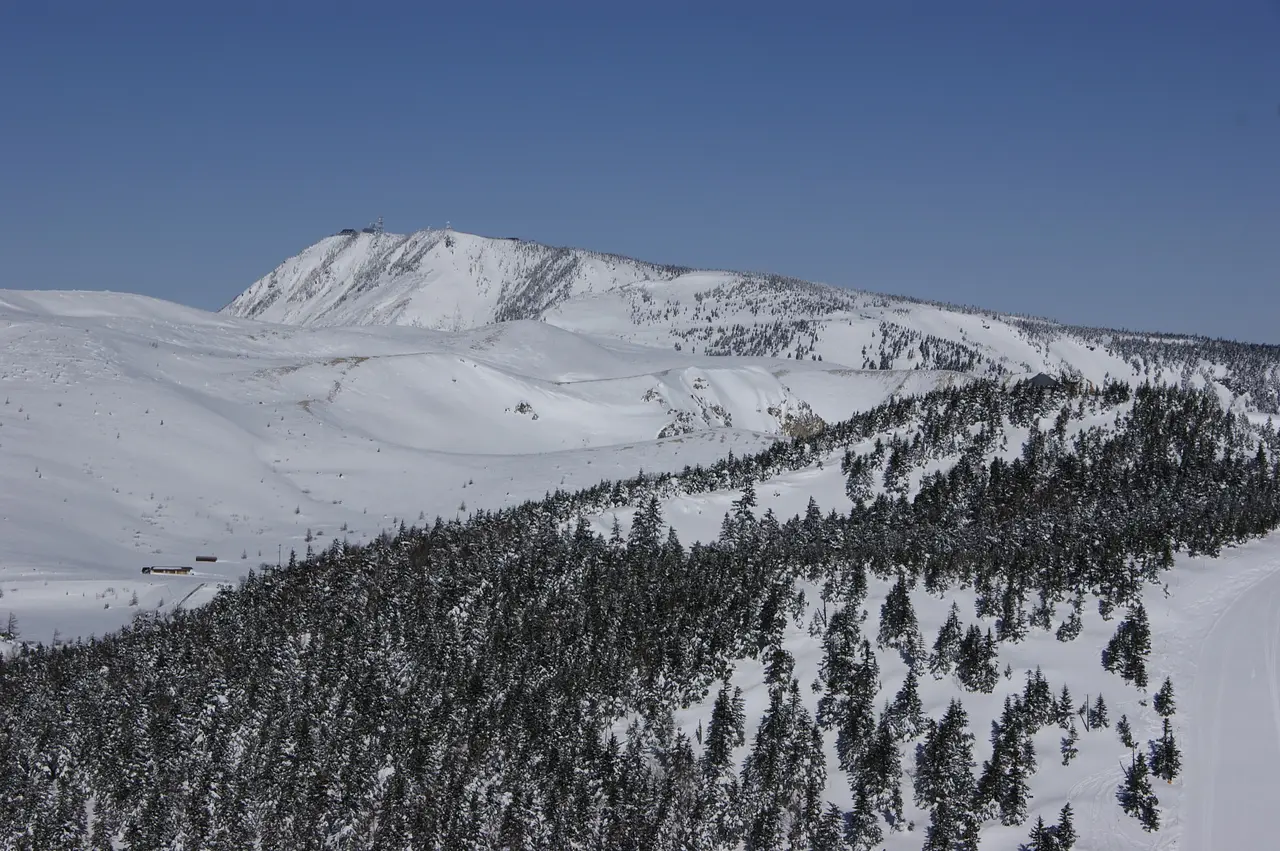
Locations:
column 449, row 280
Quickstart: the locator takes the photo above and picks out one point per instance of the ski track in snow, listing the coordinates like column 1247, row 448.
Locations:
column 1231, row 767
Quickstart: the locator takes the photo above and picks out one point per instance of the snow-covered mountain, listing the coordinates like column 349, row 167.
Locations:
column 449, row 280
column 377, row 379
column 136, row 431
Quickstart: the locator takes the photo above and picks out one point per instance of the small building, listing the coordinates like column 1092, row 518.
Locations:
column 347, row 232
column 181, row 570
column 1044, row 380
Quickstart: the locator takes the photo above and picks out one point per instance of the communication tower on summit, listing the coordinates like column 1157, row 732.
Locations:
column 377, row 228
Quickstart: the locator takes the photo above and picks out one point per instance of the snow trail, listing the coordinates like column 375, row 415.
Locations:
column 1232, row 766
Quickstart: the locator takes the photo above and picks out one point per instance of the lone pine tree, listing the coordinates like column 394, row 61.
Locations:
column 1135, row 794
column 977, row 666
column 1125, row 732
column 946, row 647
column 1163, row 702
column 1166, row 758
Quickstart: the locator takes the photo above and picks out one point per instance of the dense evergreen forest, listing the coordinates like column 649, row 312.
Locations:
column 509, row 681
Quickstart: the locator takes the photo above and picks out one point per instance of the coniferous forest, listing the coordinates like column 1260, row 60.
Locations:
column 509, row 681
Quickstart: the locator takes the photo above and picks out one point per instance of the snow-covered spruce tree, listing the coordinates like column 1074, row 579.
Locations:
column 862, row 830
column 830, row 833
column 777, row 805
column 1041, row 838
column 857, row 478
column 850, row 677
column 906, row 713
column 1135, row 795
column 977, row 667
column 1064, row 832
column 1038, row 701
column 944, row 781
column 1163, row 702
column 720, row 820
column 1011, row 625
column 1053, row 837
column 1125, row 732
column 1098, row 714
column 899, row 629
column 1002, row 788
column 1064, row 708
column 1126, row 652
column 879, row 775
column 1068, row 746
column 841, row 644
column 1070, row 628
column 1042, row 614
column 946, row 647
column 1166, row 758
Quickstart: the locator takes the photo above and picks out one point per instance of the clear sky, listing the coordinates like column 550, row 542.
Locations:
column 1112, row 163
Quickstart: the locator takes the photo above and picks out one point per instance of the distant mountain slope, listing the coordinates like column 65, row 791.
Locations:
column 433, row 278
column 136, row 431
column 453, row 281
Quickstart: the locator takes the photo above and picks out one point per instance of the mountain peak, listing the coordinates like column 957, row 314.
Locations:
column 434, row 278
column 451, row 280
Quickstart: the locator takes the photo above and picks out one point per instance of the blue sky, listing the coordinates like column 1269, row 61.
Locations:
column 1098, row 162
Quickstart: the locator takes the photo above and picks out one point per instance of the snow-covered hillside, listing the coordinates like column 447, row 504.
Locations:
column 450, row 280
column 136, row 432
column 378, row 380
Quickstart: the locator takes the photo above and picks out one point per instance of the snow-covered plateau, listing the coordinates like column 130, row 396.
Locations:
column 135, row 432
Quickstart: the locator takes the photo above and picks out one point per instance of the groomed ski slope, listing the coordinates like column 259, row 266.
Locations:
column 1233, row 764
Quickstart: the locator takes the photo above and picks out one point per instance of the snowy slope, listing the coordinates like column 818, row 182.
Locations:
column 135, row 432
column 139, row 432
column 1215, row 624
column 449, row 280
